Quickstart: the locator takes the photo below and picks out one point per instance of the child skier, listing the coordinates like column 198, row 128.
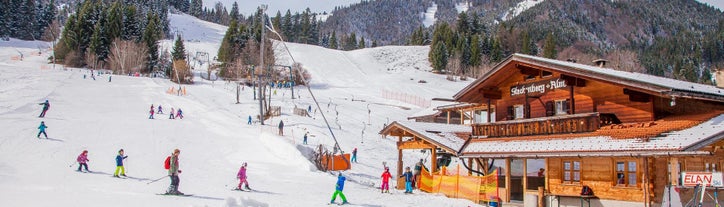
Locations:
column 119, row 164
column 249, row 122
column 305, row 137
column 241, row 175
column 42, row 128
column 339, row 188
column 385, row 188
column 173, row 172
column 83, row 161
column 160, row 110
column 46, row 106
column 151, row 117
column 179, row 114
column 171, row 116
column 354, row 155
column 408, row 180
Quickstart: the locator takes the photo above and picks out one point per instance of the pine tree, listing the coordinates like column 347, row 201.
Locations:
column 361, row 44
column 115, row 20
column 196, row 8
column 333, row 40
column 178, row 52
column 475, row 51
column 525, row 47
column 549, row 47
column 131, row 26
column 151, row 36
column 439, row 57
column 234, row 14
column 496, row 54
column 374, row 43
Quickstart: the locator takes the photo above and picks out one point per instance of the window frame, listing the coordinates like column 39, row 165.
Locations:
column 559, row 107
column 626, row 172
column 572, row 170
column 522, row 111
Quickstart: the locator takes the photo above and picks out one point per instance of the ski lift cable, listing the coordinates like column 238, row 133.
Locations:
column 336, row 143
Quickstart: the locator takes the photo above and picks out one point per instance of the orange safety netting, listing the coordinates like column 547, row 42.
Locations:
column 474, row 188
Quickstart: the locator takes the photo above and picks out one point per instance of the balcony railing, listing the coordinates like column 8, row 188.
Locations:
column 575, row 123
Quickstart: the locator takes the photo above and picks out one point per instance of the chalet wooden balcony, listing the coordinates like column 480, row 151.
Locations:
column 575, row 123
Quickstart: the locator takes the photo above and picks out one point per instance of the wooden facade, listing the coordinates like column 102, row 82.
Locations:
column 548, row 101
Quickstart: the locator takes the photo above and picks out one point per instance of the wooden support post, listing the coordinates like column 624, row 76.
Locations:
column 399, row 164
column 647, row 198
column 489, row 121
column 545, row 174
column 433, row 166
column 573, row 101
column 462, row 117
column 525, row 176
column 470, row 164
column 541, row 196
column 674, row 176
column 507, row 180
column 448, row 117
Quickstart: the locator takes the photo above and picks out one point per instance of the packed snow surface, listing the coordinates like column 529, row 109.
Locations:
column 354, row 90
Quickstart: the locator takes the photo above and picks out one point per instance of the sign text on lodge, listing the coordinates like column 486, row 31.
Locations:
column 538, row 87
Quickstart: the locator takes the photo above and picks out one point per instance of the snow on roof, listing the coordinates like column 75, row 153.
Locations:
column 443, row 134
column 708, row 131
column 635, row 77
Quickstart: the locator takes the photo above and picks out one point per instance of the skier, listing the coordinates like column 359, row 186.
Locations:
column 385, row 188
column 408, row 180
column 83, row 161
column 151, row 117
column 281, row 128
column 309, row 109
column 46, row 106
column 354, row 155
column 173, row 172
column 160, row 110
column 119, row 164
column 249, row 122
column 171, row 116
column 241, row 175
column 109, row 78
column 179, row 114
column 418, row 170
column 42, row 128
column 305, row 138
column 339, row 188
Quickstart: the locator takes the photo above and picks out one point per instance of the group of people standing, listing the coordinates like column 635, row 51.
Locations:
column 172, row 115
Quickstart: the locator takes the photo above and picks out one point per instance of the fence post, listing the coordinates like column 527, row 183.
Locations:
column 457, row 183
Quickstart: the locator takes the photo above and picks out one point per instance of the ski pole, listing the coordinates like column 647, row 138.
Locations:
column 156, row 180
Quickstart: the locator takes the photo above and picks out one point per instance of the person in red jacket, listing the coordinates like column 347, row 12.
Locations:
column 385, row 188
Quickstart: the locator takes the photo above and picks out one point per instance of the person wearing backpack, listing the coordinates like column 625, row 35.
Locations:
column 46, row 106
column 119, row 164
column 173, row 170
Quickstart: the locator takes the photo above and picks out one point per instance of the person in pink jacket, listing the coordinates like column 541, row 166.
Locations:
column 241, row 175
column 82, row 161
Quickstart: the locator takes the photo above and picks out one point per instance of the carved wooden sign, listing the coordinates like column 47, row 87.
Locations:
column 538, row 87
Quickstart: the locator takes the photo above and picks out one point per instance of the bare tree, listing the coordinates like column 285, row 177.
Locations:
column 182, row 72
column 126, row 56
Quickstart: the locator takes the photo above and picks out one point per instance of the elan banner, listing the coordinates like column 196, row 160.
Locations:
column 538, row 87
column 710, row 179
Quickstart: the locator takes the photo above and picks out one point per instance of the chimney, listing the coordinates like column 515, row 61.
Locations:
column 600, row 62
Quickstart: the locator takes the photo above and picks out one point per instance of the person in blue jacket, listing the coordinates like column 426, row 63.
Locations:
column 119, row 164
column 42, row 128
column 339, row 188
column 408, row 180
